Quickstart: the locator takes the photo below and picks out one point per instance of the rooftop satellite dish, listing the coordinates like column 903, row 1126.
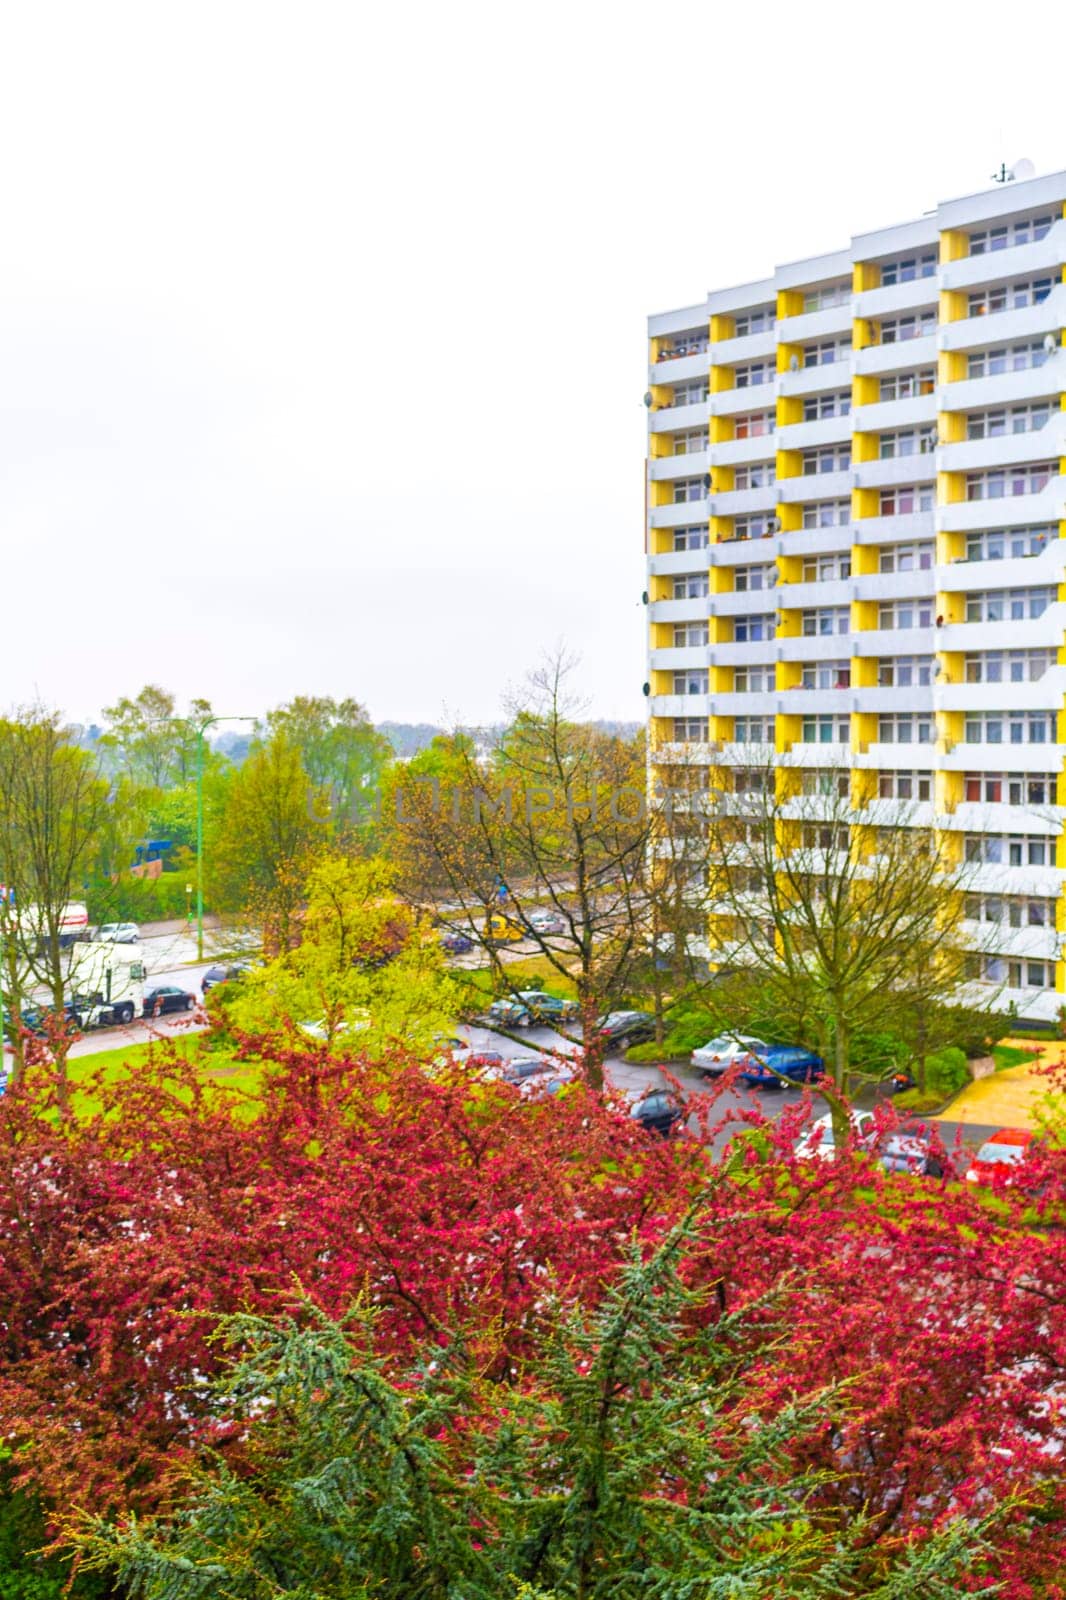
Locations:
column 1051, row 344
column 1022, row 169
column 793, row 363
column 647, row 399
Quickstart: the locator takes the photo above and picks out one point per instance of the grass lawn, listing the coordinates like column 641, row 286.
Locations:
column 112, row 1066
column 1009, row 1055
column 535, row 973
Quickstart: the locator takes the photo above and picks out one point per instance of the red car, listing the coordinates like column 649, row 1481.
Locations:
column 1008, row 1147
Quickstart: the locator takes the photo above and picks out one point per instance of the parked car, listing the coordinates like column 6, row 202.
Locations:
column 533, row 1006
column 1007, row 1148
column 915, row 1150
column 118, row 933
column 520, row 1069
column 819, row 1141
column 660, row 1111
column 781, row 1061
column 222, row 974
column 33, row 1018
column 167, row 997
column 456, row 943
column 626, row 1027
column 721, row 1052
column 485, row 1060
column 546, row 922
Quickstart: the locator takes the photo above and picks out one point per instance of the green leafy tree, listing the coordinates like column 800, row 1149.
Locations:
column 148, row 739
column 342, row 752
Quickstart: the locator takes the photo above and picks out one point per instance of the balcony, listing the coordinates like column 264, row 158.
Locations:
column 812, row 325
column 808, row 435
column 818, row 755
column 817, row 647
column 1035, row 694
column 1013, row 511
column 1027, row 1005
column 987, row 877
column 894, row 586
column 816, row 380
column 756, row 397
column 695, row 609
column 747, row 653
column 679, row 705
column 1006, row 327
column 668, row 562
column 670, row 753
column 735, row 704
column 819, row 592
column 886, row 414
column 816, row 541
column 997, row 757
column 1013, row 572
column 814, row 702
column 917, row 468
column 692, row 465
column 1036, row 944
column 744, row 603
column 1021, row 260
column 746, row 755
column 735, row 452
column 736, row 502
column 680, row 369
column 889, row 697
column 688, row 513
column 815, row 486
column 894, row 530
column 899, row 814
column 749, row 347
column 676, row 659
column 980, row 816
column 918, row 295
column 670, row 419
column 898, row 757
column 977, row 455
column 900, row 356
column 745, row 552
column 1005, row 388
column 895, row 642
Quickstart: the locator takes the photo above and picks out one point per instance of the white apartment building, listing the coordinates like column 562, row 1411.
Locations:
column 856, row 543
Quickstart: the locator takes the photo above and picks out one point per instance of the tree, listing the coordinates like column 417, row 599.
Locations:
column 53, row 812
column 155, row 746
column 842, row 915
column 554, row 820
column 266, row 838
column 341, row 751
column 365, row 970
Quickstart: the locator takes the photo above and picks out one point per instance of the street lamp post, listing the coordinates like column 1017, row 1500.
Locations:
column 201, row 729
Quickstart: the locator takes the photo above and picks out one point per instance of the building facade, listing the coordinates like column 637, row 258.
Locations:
column 856, row 545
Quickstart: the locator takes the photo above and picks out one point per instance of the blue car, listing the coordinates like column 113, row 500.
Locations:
column 789, row 1060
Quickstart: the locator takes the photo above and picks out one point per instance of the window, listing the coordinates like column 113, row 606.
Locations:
column 1008, row 666
column 691, row 394
column 905, row 727
column 904, row 501
column 827, row 514
column 754, row 424
column 830, row 458
column 690, row 730
column 753, row 322
column 1008, row 297
column 825, row 620
column 1007, row 358
column 916, row 556
column 825, row 675
column 1005, row 234
column 687, row 444
column 686, row 489
column 825, row 730
column 691, row 585
column 754, row 475
column 1017, row 974
column 824, row 836
column 694, row 537
column 823, row 569
column 1005, row 482
column 748, row 579
column 907, row 442
column 1009, row 543
column 905, row 786
column 755, row 373
column 688, row 634
column 1011, row 850
column 754, row 525
column 835, row 404
column 826, row 352
column 907, row 385
column 754, row 629
column 753, row 680
column 817, row 781
column 753, row 730
column 1010, row 788
column 753, row 780
column 832, row 294
column 912, row 325
column 691, row 680
column 1011, row 911
column 1008, row 605
column 904, row 672
column 906, row 269
column 1015, row 419
column 1009, row 727
column 906, row 613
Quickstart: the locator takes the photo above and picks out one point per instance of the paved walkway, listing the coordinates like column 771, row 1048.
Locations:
column 1008, row 1099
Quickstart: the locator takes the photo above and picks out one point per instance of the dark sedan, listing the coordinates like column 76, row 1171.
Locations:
column 660, row 1112
column 626, row 1027
column 220, row 974
column 167, row 998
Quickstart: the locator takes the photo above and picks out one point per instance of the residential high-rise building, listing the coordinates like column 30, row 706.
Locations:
column 856, row 537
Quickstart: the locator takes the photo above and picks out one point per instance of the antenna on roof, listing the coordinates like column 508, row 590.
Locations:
column 1023, row 169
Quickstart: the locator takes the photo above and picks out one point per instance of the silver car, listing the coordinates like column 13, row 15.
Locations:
column 118, row 933
column 721, row 1052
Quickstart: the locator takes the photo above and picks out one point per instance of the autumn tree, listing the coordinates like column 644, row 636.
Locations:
column 268, row 833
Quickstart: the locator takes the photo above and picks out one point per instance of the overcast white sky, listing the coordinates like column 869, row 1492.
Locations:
column 322, row 325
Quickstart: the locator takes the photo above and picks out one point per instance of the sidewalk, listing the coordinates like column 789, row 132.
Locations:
column 1008, row 1099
